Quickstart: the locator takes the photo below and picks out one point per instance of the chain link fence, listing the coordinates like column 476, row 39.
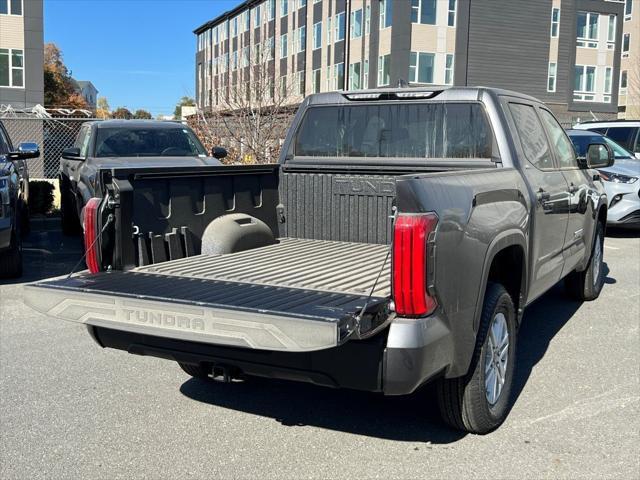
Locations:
column 53, row 135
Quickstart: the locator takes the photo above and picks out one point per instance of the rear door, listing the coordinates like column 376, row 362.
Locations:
column 550, row 212
column 579, row 187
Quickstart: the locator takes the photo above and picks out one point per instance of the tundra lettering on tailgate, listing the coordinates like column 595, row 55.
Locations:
column 366, row 186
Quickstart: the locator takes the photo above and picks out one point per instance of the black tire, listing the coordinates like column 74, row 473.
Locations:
column 196, row 371
column 587, row 285
column 11, row 260
column 25, row 220
column 463, row 401
column 68, row 215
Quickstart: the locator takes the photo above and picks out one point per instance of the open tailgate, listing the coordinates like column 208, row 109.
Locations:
column 182, row 301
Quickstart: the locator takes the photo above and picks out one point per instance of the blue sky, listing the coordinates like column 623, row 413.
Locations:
column 138, row 53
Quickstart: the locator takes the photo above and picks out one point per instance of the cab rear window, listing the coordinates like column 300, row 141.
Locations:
column 396, row 130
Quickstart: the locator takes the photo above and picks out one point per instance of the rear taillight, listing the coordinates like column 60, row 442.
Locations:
column 91, row 232
column 410, row 258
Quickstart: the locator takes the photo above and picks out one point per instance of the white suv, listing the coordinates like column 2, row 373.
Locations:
column 624, row 132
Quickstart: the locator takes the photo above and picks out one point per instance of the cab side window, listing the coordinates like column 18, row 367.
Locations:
column 559, row 141
column 82, row 140
column 532, row 137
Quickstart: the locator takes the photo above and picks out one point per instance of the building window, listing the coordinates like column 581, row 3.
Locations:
column 627, row 9
column 316, row 78
column 588, row 29
column 284, row 8
column 11, row 68
column 257, row 15
column 585, row 83
column 234, row 27
column 354, row 76
column 317, row 35
column 421, row 67
column 283, row 87
column 284, row 46
column 365, row 76
column 340, row 27
column 300, row 83
column 384, row 77
column 611, row 32
column 423, row 11
column 555, row 22
column 608, row 76
column 551, row 77
column 625, row 44
column 302, row 3
column 338, row 76
column 448, row 70
column 356, row 23
column 623, row 81
column 451, row 15
column 245, row 57
column 10, row 7
column 234, row 60
column 367, row 20
column 271, row 6
column 301, row 39
column 386, row 12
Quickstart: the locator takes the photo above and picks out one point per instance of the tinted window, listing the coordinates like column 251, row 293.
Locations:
column 623, row 135
column 532, row 137
column 147, row 142
column 438, row 130
column 4, row 144
column 581, row 143
column 559, row 141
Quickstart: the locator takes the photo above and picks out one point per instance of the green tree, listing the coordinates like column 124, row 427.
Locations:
column 122, row 113
column 142, row 114
column 184, row 102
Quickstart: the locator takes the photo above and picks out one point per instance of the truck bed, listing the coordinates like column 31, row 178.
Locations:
column 296, row 295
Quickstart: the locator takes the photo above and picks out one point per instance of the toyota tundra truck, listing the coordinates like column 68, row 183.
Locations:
column 396, row 244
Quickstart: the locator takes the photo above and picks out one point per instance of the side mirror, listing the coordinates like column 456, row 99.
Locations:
column 599, row 155
column 219, row 152
column 25, row 150
column 72, row 153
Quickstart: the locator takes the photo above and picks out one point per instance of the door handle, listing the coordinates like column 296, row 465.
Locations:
column 543, row 196
column 572, row 189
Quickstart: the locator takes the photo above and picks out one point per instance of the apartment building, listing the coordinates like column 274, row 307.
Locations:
column 565, row 52
column 21, row 53
column 629, row 101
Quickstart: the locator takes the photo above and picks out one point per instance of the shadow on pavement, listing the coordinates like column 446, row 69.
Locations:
column 623, row 232
column 47, row 253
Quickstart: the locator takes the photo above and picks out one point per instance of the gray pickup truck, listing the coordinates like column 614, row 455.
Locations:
column 397, row 243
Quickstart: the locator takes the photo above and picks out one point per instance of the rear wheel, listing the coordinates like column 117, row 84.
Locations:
column 11, row 260
column 196, row 371
column 480, row 401
column 587, row 285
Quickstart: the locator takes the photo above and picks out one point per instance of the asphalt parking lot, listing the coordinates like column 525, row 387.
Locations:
column 69, row 409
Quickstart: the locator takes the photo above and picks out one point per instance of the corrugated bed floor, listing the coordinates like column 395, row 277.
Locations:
column 296, row 263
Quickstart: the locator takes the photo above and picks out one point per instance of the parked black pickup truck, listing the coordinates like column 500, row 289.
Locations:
column 113, row 143
column 397, row 242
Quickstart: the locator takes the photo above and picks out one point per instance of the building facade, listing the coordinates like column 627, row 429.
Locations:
column 565, row 52
column 629, row 102
column 89, row 92
column 21, row 53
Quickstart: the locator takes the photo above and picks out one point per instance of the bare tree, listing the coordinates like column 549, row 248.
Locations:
column 633, row 87
column 254, row 107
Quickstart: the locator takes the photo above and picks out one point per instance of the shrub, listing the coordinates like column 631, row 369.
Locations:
column 40, row 197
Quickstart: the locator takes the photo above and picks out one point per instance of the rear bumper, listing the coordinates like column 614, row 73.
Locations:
column 395, row 362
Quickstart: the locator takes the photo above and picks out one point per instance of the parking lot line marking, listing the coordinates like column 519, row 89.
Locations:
column 609, row 247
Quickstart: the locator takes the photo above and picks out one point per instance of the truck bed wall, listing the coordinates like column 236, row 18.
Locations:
column 338, row 206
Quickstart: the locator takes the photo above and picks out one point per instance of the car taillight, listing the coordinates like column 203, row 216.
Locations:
column 410, row 243
column 91, row 231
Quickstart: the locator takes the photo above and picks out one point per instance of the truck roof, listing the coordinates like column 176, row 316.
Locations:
column 442, row 93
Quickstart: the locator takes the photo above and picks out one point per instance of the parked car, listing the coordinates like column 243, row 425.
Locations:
column 117, row 143
column 624, row 132
column 14, row 202
column 397, row 243
column 620, row 179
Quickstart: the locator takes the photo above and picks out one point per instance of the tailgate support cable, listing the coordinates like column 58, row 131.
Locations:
column 110, row 218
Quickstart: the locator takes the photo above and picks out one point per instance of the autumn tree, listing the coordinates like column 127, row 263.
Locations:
column 60, row 90
column 122, row 113
column 142, row 114
column 103, row 110
column 184, row 102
